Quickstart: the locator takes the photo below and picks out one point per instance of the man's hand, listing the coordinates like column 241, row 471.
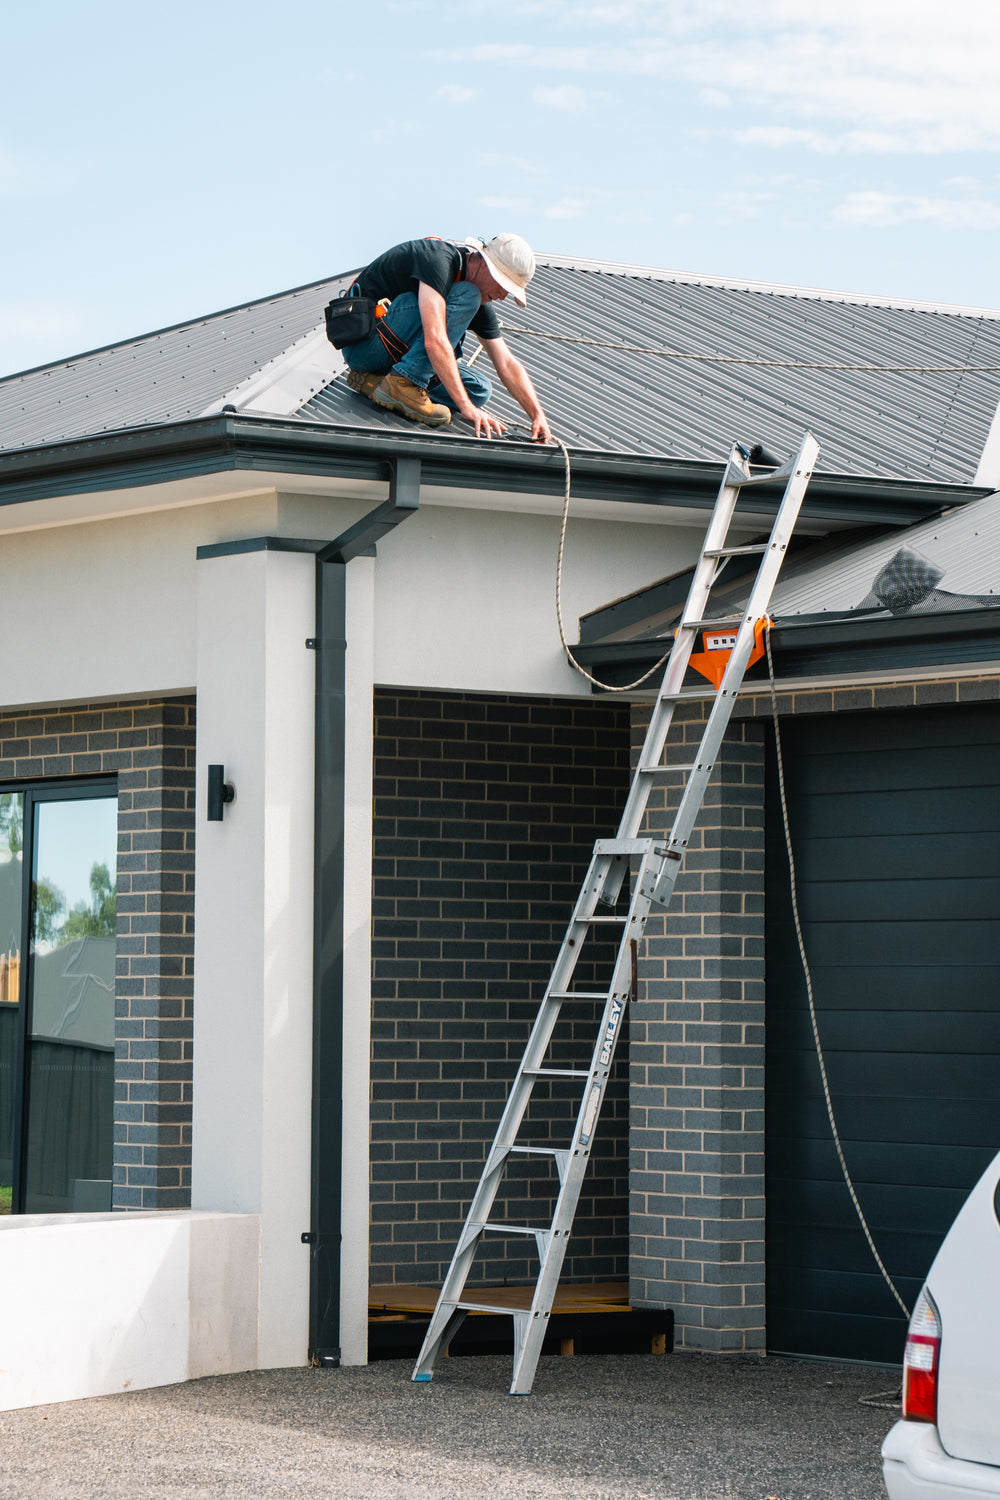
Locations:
column 515, row 377
column 540, row 430
column 483, row 421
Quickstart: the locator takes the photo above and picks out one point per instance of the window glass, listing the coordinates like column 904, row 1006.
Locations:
column 70, row 1082
column 11, row 844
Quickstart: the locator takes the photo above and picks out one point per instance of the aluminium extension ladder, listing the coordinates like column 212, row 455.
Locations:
column 658, row 866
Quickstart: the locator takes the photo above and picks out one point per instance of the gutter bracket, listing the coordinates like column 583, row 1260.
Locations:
column 404, row 498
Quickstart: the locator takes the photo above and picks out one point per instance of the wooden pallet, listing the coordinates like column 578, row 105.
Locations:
column 586, row 1319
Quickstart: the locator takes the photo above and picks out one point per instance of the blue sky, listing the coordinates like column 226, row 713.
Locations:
column 157, row 163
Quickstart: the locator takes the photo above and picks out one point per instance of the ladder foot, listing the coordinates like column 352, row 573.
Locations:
column 420, row 1379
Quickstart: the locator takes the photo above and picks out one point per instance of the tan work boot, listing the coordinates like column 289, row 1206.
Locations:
column 399, row 394
column 362, row 381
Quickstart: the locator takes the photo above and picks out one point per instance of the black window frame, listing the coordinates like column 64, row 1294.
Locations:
column 36, row 790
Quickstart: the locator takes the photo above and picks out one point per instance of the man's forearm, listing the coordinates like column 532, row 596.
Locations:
column 517, row 380
column 442, row 358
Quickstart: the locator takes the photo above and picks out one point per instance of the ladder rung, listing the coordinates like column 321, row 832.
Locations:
column 737, row 551
column 622, row 846
column 720, row 624
column 556, row 1073
column 497, row 1228
column 578, row 995
column 484, row 1307
column 661, row 770
column 623, row 917
column 538, row 1150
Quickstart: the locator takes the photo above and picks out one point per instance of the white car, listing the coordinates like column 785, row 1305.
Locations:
column 947, row 1446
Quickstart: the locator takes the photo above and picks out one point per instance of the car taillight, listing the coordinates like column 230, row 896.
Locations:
column 920, row 1362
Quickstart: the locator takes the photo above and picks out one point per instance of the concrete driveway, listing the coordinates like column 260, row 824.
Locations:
column 673, row 1427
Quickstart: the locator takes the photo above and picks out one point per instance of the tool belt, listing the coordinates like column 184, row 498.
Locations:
column 349, row 318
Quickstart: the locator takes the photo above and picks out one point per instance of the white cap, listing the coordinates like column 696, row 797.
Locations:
column 510, row 261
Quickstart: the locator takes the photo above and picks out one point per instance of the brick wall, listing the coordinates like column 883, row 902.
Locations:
column 150, row 749
column 697, row 1059
column 486, row 810
column 697, row 1042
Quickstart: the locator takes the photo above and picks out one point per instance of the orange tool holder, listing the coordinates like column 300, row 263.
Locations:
column 718, row 645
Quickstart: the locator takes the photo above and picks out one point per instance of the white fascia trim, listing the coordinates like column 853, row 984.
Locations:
column 775, row 288
column 988, row 471
column 288, row 381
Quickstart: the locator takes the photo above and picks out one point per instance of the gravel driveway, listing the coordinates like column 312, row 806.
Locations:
column 676, row 1427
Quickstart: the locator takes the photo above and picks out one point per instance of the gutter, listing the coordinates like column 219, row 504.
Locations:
column 229, row 442
column 846, row 644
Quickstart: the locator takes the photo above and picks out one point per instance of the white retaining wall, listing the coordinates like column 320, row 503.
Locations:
column 98, row 1303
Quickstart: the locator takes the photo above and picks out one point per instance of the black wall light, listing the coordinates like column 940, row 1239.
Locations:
column 220, row 792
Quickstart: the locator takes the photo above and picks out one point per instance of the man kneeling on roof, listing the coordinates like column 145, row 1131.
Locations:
column 412, row 363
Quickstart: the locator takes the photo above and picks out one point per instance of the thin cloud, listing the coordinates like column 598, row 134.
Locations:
column 567, row 208
column 566, row 96
column 33, row 321
column 515, row 205
column 875, row 210
column 854, row 75
column 454, row 93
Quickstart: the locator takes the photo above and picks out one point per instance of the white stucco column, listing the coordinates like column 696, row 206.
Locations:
column 253, row 921
column 359, row 692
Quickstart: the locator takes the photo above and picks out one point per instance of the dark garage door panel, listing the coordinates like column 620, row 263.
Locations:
column 906, row 974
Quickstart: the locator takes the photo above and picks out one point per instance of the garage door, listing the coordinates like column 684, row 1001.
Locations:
column 895, row 821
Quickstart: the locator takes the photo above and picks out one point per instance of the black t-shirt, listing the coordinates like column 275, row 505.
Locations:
column 435, row 262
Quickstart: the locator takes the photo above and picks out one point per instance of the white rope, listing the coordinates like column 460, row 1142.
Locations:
column 607, row 686
column 809, row 988
column 735, row 359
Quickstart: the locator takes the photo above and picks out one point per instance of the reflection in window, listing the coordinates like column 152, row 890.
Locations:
column 71, row 1032
column 11, row 844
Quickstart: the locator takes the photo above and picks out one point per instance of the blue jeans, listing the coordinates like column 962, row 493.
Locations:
column 403, row 321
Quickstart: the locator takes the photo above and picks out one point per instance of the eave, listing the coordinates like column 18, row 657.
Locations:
column 223, row 443
column 838, row 648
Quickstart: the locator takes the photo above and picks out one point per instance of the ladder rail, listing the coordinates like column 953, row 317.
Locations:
column 723, row 701
column 659, row 864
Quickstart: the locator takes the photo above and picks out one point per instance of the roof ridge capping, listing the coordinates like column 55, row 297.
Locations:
column 771, row 288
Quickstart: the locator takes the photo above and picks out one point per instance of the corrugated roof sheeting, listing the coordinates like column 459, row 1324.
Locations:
column 893, row 424
column 167, row 376
column 833, row 576
column 930, row 426
column 964, row 544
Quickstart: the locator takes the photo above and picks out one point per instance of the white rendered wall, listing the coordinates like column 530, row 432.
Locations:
column 253, row 921
column 107, row 609
column 357, row 957
column 99, row 1303
column 465, row 599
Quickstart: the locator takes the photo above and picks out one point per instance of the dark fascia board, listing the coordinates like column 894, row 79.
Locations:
column 814, row 648
column 139, row 456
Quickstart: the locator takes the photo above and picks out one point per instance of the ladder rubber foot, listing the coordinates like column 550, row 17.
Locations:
column 417, row 1379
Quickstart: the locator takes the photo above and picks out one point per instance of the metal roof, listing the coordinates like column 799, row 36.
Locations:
column 610, row 350
column 166, row 376
column 963, row 546
column 959, row 553
column 581, row 328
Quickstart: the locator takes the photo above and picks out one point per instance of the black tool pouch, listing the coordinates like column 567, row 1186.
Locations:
column 349, row 319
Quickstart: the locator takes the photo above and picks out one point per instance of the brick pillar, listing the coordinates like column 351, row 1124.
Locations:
column 153, row 751
column 697, row 1060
